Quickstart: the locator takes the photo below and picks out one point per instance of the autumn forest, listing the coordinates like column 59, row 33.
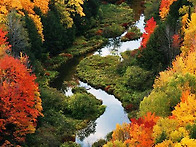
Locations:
column 98, row 73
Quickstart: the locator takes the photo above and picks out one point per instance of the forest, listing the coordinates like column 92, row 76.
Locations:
column 100, row 73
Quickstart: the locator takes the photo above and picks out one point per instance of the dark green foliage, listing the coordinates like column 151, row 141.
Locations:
column 111, row 1
column 83, row 105
column 70, row 144
column 113, row 30
column 155, row 56
column 152, row 10
column 99, row 143
column 138, row 78
column 90, row 9
column 57, row 37
column 173, row 16
column 192, row 129
column 128, row 61
column 35, row 39
column 52, row 99
column 54, row 126
column 57, row 125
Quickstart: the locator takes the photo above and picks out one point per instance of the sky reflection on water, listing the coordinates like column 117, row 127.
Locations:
column 114, row 113
column 115, row 46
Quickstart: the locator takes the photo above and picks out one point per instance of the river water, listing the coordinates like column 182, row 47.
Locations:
column 114, row 113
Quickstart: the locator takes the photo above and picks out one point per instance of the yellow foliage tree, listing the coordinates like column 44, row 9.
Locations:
column 186, row 142
column 121, row 132
column 66, row 8
column 22, row 7
column 189, row 35
column 185, row 111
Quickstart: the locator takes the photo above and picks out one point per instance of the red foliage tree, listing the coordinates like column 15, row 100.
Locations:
column 141, row 131
column 3, row 42
column 149, row 29
column 176, row 41
column 20, row 104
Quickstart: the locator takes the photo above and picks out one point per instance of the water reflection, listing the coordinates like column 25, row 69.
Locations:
column 90, row 129
column 115, row 46
column 114, row 114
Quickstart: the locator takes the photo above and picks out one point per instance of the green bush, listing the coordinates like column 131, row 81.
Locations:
column 137, row 78
column 83, row 105
column 55, row 125
column 113, row 30
column 192, row 129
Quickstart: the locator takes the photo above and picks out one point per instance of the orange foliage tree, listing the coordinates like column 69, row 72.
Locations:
column 141, row 131
column 165, row 7
column 149, row 29
column 138, row 133
column 20, row 104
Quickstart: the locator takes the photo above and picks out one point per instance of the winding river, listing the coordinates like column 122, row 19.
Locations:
column 114, row 113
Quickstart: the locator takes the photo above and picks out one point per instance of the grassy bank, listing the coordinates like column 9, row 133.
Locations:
column 112, row 21
column 126, row 80
column 63, row 116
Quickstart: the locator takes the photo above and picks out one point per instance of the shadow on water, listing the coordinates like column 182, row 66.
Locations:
column 66, row 73
column 90, row 129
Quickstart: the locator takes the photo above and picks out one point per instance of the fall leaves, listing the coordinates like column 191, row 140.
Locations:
column 149, row 29
column 173, row 96
column 20, row 104
column 25, row 6
column 165, row 7
column 150, row 130
column 3, row 42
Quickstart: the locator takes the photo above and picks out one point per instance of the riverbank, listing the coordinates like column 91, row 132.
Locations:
column 113, row 21
column 124, row 79
column 60, row 123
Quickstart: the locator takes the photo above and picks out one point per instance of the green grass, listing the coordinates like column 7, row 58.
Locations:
column 82, row 45
column 117, row 14
column 127, row 81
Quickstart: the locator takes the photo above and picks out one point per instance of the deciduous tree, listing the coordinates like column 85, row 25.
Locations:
column 20, row 104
